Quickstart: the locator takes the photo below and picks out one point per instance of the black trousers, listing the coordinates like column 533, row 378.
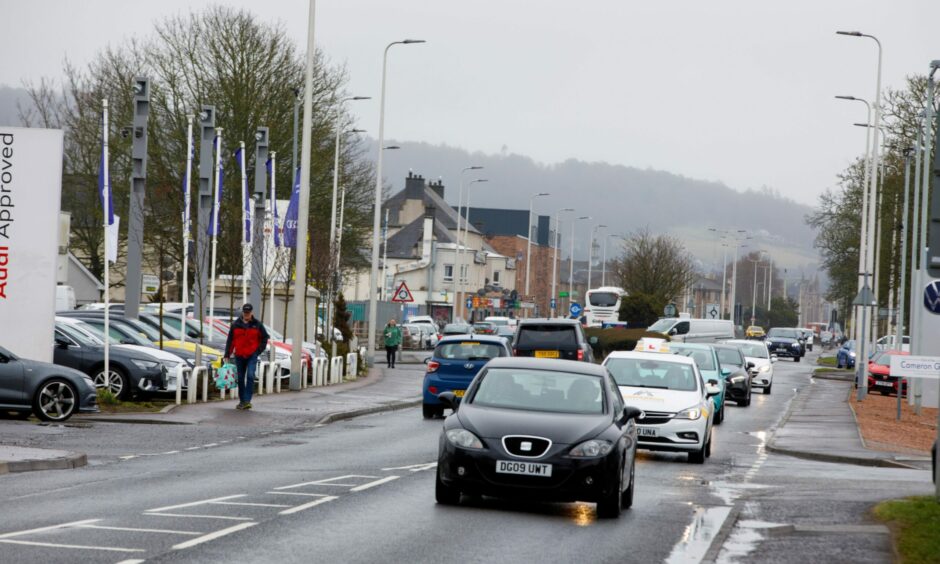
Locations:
column 390, row 355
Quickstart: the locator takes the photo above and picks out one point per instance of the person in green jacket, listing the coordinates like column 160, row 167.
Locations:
column 391, row 338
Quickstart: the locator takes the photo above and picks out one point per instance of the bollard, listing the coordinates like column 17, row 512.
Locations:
column 352, row 361
column 303, row 373
column 260, row 369
column 336, row 370
column 319, row 371
column 274, row 371
column 205, row 383
column 181, row 372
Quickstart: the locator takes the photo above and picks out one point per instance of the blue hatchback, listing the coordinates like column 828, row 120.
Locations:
column 453, row 365
column 845, row 357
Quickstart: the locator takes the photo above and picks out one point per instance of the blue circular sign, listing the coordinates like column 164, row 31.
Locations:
column 932, row 297
column 575, row 309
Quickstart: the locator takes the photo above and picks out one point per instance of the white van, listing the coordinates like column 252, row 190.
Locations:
column 688, row 330
column 602, row 305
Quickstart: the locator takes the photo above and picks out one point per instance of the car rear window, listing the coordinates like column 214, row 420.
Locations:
column 468, row 350
column 547, row 337
column 730, row 356
column 540, row 390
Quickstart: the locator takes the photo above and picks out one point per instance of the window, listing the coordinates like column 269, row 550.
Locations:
column 464, row 269
column 496, row 277
column 540, row 390
column 448, row 273
column 647, row 373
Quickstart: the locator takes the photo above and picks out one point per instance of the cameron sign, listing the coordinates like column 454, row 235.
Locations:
column 30, row 190
column 916, row 366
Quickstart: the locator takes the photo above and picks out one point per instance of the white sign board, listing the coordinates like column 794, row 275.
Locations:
column 30, row 192
column 151, row 284
column 916, row 366
column 712, row 311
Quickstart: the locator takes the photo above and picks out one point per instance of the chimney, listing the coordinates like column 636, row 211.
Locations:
column 429, row 212
column 438, row 187
column 414, row 186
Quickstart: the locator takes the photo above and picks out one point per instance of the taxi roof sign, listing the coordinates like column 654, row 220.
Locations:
column 651, row 344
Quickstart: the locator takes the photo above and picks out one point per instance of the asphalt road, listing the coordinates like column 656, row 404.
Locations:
column 363, row 491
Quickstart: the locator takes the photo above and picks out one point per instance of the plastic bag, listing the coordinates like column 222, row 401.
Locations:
column 226, row 377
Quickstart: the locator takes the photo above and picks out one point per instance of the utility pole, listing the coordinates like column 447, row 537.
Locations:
column 257, row 236
column 206, row 169
column 135, row 223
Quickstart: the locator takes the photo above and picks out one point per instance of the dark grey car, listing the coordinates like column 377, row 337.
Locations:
column 552, row 338
column 51, row 392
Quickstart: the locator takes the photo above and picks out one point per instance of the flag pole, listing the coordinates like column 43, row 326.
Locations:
column 274, row 263
column 106, row 190
column 246, row 245
column 186, row 199
column 215, row 220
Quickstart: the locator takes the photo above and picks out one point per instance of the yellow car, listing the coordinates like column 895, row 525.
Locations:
column 755, row 332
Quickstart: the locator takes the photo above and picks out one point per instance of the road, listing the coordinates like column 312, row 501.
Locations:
column 363, row 491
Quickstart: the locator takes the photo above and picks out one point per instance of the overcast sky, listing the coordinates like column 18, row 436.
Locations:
column 736, row 91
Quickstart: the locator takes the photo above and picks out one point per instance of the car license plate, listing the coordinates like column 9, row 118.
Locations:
column 546, row 354
column 885, row 384
column 458, row 393
column 523, row 468
column 647, row 432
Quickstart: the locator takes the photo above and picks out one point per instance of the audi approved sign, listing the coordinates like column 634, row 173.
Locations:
column 30, row 190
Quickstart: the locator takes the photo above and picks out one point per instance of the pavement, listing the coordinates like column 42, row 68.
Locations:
column 820, row 425
column 26, row 459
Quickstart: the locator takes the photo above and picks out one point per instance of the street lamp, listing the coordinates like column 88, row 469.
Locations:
column 377, row 207
column 457, row 237
column 528, row 238
column 553, row 302
column 760, row 253
column 385, row 243
column 591, row 252
column 604, row 264
column 466, row 235
column 571, row 260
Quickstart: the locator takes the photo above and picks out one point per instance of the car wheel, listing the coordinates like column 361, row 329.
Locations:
column 609, row 506
column 720, row 415
column 698, row 457
column 56, row 400
column 444, row 494
column 767, row 388
column 746, row 400
column 431, row 411
column 708, row 447
column 117, row 382
column 626, row 500
column 796, row 359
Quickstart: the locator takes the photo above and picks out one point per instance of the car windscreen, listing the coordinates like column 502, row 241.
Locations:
column 663, row 325
column 883, row 359
column 753, row 350
column 662, row 374
column 82, row 336
column 787, row 333
column 468, row 350
column 150, row 333
column 603, row 299
column 498, row 321
column 729, row 356
column 540, row 390
column 703, row 358
column 849, row 345
column 118, row 334
column 533, row 336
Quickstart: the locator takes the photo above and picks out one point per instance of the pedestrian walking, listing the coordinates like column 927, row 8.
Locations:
column 247, row 339
column 391, row 338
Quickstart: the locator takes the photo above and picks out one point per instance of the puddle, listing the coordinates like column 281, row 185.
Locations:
column 744, row 539
column 698, row 535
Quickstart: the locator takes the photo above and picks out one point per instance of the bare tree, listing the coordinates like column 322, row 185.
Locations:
column 655, row 265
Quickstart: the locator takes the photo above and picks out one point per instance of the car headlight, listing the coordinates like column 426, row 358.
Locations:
column 795, row 345
column 144, row 364
column 764, row 368
column 692, row 413
column 591, row 449
column 464, row 438
column 171, row 365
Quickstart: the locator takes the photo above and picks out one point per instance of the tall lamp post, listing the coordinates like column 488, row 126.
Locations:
column 557, row 242
column 460, row 248
column 384, row 294
column 571, row 260
column 377, row 207
column 528, row 237
column 457, row 237
column 339, row 228
column 591, row 251
column 760, row 253
column 604, row 263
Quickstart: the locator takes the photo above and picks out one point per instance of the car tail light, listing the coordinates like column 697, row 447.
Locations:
column 580, row 354
column 433, row 365
column 432, row 390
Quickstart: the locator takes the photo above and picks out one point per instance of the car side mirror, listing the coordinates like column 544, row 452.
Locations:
column 712, row 390
column 726, row 372
column 713, row 382
column 128, row 342
column 672, row 331
column 448, row 399
column 750, row 365
column 61, row 343
column 593, row 340
column 630, row 412
column 4, row 359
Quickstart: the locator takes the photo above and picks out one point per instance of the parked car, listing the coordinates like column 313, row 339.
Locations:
column 552, row 338
column 754, row 332
column 457, row 329
column 484, row 328
column 687, row 330
column 759, row 361
column 51, row 392
column 454, row 364
column 735, row 370
column 888, row 342
column 540, row 430
column 785, row 342
column 130, row 370
column 677, row 409
column 845, row 356
column 706, row 358
column 879, row 373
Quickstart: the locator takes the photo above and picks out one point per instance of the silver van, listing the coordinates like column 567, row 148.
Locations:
column 688, row 330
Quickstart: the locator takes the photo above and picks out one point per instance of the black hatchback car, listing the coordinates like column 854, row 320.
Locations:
column 735, row 370
column 785, row 342
column 552, row 338
column 540, row 430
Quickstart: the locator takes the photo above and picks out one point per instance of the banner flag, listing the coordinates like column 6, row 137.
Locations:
column 290, row 219
column 217, row 208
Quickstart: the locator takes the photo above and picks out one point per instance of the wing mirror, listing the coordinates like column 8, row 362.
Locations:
column 61, row 343
column 631, row 412
column 711, row 389
column 750, row 365
column 448, row 399
column 726, row 372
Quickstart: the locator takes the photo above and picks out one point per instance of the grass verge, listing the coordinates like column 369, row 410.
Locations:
column 829, row 361
column 915, row 524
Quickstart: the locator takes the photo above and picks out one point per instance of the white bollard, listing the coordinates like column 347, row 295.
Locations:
column 352, row 361
column 273, row 372
column 182, row 373
column 205, row 383
column 319, row 371
column 304, row 370
column 260, row 369
column 336, row 370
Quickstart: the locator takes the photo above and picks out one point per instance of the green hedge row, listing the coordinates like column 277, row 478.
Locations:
column 617, row 339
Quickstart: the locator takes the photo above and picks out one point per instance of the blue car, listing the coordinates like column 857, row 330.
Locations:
column 455, row 362
column 845, row 358
column 706, row 358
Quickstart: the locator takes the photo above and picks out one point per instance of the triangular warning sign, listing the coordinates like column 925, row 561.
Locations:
column 403, row 294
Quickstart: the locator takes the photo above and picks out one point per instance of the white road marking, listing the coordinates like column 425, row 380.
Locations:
column 78, row 546
column 246, row 503
column 413, row 467
column 188, row 516
column 373, row 484
column 299, row 493
column 128, row 457
column 169, row 452
column 193, row 448
column 213, row 536
column 49, row 528
column 132, row 561
column 325, row 482
column 194, row 503
column 210, row 445
column 305, row 506
column 133, row 530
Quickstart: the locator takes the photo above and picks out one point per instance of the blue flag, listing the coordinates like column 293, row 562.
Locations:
column 213, row 228
column 290, row 220
column 274, row 223
column 101, row 188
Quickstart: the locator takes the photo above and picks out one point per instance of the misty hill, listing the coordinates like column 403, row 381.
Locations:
column 624, row 198
column 9, row 98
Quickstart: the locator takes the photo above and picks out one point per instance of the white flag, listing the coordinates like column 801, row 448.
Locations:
column 113, row 239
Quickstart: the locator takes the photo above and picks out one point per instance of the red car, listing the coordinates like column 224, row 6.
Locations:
column 880, row 378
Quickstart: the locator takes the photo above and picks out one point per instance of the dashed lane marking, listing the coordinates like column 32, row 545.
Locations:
column 413, row 467
column 305, row 506
column 189, row 516
column 194, row 503
column 327, row 482
column 245, row 503
column 132, row 561
column 49, row 528
column 212, row 536
column 75, row 546
column 135, row 530
column 373, row 484
column 299, row 493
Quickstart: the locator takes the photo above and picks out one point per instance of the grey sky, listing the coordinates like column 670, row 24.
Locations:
column 736, row 91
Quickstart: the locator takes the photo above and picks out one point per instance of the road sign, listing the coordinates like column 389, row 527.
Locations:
column 575, row 309
column 712, row 311
column 927, row 367
column 670, row 310
column 469, row 303
column 403, row 294
column 562, row 294
column 151, row 284
column 553, row 304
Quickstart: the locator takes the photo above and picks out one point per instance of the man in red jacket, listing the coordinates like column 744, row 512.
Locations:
column 247, row 339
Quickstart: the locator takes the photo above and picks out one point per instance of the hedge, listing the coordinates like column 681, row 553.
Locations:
column 617, row 339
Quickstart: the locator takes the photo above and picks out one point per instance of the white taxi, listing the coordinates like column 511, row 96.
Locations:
column 676, row 401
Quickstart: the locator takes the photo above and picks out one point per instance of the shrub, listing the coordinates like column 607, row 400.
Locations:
column 640, row 310
column 617, row 339
column 106, row 397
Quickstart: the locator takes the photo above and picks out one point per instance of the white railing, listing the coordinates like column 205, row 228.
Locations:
column 352, row 365
column 183, row 372
column 320, row 370
column 336, row 370
column 192, row 386
column 304, row 370
column 261, row 374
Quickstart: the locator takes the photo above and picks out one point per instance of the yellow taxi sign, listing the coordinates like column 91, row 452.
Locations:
column 650, row 344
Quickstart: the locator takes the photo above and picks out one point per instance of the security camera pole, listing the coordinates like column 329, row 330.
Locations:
column 135, row 223
column 257, row 235
column 206, row 167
